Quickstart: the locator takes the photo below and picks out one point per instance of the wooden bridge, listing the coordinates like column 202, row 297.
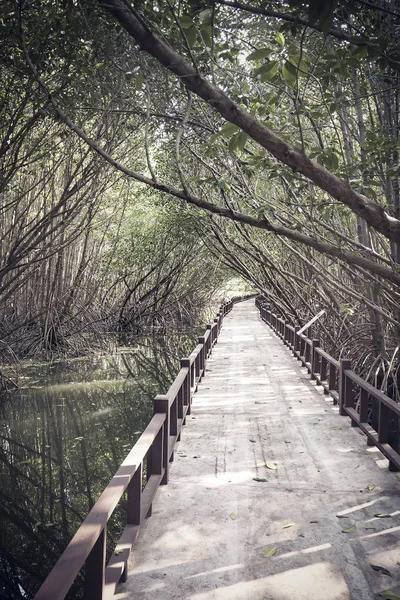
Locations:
column 272, row 494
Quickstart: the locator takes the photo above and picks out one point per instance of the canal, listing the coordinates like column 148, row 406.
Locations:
column 63, row 434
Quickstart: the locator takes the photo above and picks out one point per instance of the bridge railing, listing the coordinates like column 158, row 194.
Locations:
column 353, row 394
column 151, row 455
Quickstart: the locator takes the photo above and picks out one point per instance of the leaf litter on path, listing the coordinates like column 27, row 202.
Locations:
column 270, row 551
column 350, row 529
column 389, row 595
column 381, row 570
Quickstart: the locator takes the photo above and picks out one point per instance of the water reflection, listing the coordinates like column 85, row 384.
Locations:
column 62, row 437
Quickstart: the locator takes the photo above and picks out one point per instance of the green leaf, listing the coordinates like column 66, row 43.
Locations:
column 300, row 63
column 119, row 551
column 280, row 38
column 383, row 516
column 206, row 37
column 139, row 81
column 228, row 129
column 260, row 479
column 233, row 516
column 241, row 140
column 186, row 21
column 271, row 465
column 270, row 551
column 326, row 23
column 191, row 35
column 381, row 570
column 360, row 52
column 351, row 529
column 371, row 487
column 205, row 16
column 337, row 428
column 269, row 70
column 389, row 595
column 232, row 143
column 334, row 161
column 287, row 74
column 259, row 54
column 289, row 525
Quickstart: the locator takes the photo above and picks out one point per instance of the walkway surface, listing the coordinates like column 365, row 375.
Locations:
column 212, row 525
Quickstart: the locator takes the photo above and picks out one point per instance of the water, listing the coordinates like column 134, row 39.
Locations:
column 62, row 437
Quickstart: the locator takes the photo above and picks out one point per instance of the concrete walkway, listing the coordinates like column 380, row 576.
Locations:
column 213, row 523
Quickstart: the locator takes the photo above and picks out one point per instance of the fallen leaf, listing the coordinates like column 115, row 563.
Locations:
column 233, row 516
column 381, row 570
column 116, row 552
column 350, row 529
column 383, row 516
column 371, row 487
column 337, row 428
column 314, row 521
column 196, row 456
column 271, row 465
column 289, row 525
column 270, row 551
column 342, row 516
column 252, row 441
column 389, row 595
column 260, row 479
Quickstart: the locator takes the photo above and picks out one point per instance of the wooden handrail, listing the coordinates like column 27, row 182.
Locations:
column 339, row 384
column 65, row 571
column 156, row 446
column 373, row 391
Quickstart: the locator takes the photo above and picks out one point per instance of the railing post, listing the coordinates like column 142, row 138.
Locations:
column 314, row 358
column 383, row 423
column 332, row 379
column 296, row 339
column 161, row 405
column 185, row 364
column 307, row 352
column 153, row 467
column 344, row 387
column 202, row 355
column 383, row 430
column 209, row 341
column 95, row 569
column 134, row 498
column 363, row 406
column 215, row 331
column 323, row 365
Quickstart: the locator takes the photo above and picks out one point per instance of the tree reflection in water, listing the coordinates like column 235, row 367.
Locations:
column 61, row 442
